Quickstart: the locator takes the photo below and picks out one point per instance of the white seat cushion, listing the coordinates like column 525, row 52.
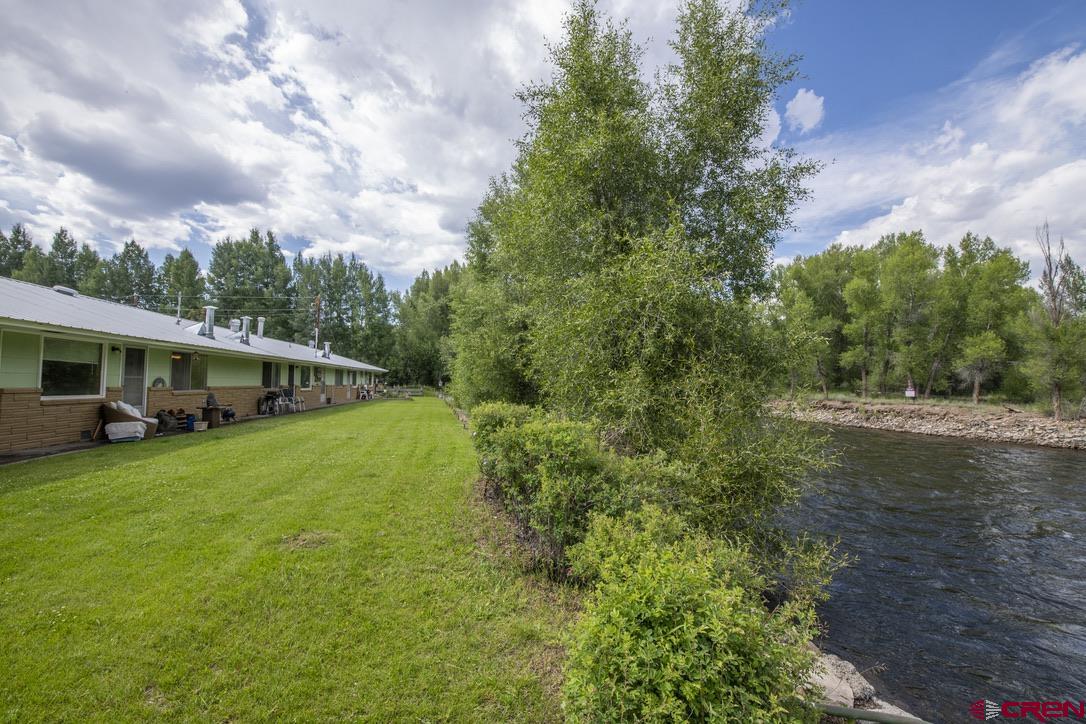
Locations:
column 116, row 430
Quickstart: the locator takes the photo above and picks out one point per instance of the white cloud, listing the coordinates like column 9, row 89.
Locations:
column 371, row 131
column 771, row 129
column 1009, row 153
column 804, row 112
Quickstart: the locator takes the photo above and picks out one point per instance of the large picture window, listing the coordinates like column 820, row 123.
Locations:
column 188, row 371
column 70, row 368
column 339, row 378
column 305, row 377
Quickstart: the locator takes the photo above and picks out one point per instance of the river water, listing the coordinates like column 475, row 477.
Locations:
column 970, row 573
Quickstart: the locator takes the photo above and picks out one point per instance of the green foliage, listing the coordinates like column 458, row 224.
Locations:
column 250, row 277
column 550, row 474
column 487, row 344
column 675, row 631
column 62, row 260
column 1055, row 332
column 35, row 269
column 424, row 314
column 981, row 356
column 130, row 278
column 13, row 248
column 487, row 420
column 180, row 275
column 901, row 311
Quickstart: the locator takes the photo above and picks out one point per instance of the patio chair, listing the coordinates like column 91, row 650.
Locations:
column 292, row 402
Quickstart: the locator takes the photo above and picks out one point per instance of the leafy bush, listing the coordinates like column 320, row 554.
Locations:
column 562, row 484
column 550, row 474
column 675, row 631
column 487, row 420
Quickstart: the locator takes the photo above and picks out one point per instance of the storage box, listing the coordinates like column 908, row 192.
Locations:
column 199, row 426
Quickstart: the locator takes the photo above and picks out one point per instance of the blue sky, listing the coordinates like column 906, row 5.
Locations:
column 879, row 59
column 893, row 74
column 372, row 127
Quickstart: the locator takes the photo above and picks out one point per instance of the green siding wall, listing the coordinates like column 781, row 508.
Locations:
column 20, row 360
column 158, row 365
column 114, row 365
column 233, row 371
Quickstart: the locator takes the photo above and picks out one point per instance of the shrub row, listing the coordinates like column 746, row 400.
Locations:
column 549, row 473
column 676, row 628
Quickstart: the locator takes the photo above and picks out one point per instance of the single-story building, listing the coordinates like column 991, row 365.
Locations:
column 63, row 354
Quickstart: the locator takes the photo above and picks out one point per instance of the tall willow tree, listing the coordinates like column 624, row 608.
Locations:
column 614, row 267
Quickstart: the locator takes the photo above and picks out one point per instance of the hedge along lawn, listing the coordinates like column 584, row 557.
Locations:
column 310, row 567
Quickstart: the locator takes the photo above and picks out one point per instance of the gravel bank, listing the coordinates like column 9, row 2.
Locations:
column 978, row 423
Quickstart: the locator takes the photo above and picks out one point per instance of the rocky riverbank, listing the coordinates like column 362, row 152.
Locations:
column 978, row 423
column 843, row 685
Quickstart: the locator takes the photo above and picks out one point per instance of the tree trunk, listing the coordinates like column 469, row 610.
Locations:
column 1057, row 401
column 822, row 375
column 931, row 378
column 976, row 390
column 863, row 380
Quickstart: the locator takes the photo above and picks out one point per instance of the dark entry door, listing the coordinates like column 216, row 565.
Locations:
column 134, row 384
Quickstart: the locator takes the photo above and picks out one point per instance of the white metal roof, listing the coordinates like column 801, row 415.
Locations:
column 32, row 304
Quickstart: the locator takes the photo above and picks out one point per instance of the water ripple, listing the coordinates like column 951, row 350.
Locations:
column 970, row 579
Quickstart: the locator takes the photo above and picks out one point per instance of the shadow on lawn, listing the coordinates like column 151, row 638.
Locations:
column 42, row 471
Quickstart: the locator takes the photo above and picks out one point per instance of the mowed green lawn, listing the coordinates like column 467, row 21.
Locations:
column 312, row 567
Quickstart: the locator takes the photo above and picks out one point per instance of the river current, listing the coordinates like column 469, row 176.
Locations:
column 969, row 579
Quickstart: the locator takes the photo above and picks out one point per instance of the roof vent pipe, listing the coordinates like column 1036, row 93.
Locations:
column 260, row 327
column 328, row 350
column 245, row 329
column 312, row 344
column 209, row 322
column 235, row 325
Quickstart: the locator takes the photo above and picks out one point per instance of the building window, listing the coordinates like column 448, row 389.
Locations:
column 270, row 375
column 354, row 377
column 305, row 377
column 290, row 376
column 70, row 368
column 188, row 371
column 339, row 378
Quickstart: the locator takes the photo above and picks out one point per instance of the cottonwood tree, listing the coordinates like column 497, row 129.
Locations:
column 981, row 356
column 867, row 322
column 1056, row 334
